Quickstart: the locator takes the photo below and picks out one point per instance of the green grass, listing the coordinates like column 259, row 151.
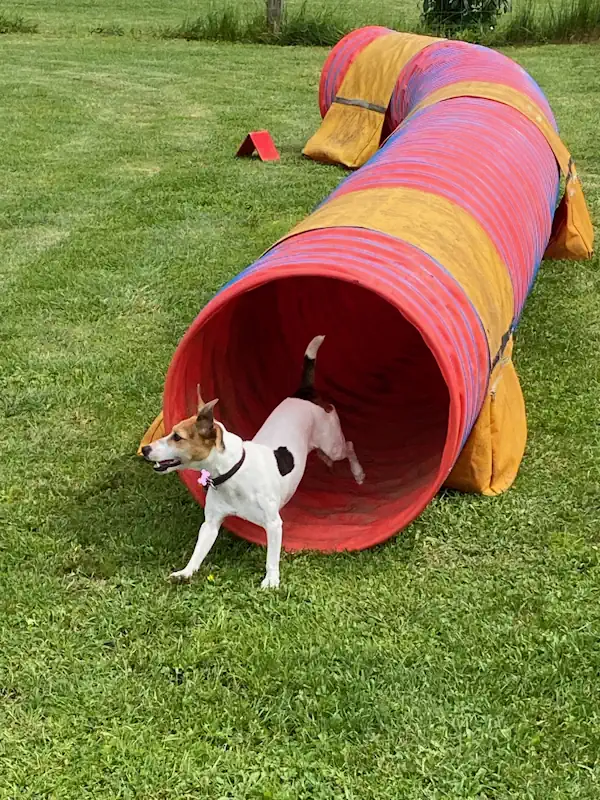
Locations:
column 77, row 16
column 459, row 660
column 149, row 17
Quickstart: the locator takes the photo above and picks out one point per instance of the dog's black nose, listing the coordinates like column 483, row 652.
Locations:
column 146, row 450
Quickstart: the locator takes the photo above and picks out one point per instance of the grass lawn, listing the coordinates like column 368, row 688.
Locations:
column 147, row 16
column 81, row 16
column 459, row 660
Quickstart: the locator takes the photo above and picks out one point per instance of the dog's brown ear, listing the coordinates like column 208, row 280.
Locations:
column 205, row 420
column 201, row 402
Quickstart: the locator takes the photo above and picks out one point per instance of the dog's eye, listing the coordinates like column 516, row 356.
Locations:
column 176, row 437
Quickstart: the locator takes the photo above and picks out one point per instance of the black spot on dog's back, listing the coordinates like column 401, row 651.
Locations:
column 285, row 460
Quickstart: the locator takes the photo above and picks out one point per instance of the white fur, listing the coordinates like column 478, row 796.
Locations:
column 257, row 492
column 313, row 347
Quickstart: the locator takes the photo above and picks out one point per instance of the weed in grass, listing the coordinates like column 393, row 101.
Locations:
column 571, row 20
column 313, row 27
column 109, row 29
column 220, row 24
column 230, row 23
column 14, row 23
column 522, row 25
column 568, row 21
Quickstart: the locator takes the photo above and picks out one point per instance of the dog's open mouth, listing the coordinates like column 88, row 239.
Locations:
column 163, row 466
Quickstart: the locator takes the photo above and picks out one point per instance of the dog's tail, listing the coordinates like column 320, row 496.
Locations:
column 307, row 384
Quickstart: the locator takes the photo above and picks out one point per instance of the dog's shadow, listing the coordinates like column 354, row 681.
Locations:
column 128, row 518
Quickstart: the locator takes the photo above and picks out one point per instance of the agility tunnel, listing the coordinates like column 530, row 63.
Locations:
column 416, row 268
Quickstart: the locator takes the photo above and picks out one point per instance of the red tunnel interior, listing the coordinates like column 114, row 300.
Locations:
column 374, row 366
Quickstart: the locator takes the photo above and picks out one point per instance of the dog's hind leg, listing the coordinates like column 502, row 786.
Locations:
column 332, row 446
column 347, row 452
column 274, row 531
column 358, row 472
column 325, row 459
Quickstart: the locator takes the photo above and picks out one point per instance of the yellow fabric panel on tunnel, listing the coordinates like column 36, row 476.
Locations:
column 490, row 459
column 572, row 231
column 442, row 229
column 154, row 432
column 350, row 134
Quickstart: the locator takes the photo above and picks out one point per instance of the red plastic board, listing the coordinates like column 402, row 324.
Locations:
column 260, row 142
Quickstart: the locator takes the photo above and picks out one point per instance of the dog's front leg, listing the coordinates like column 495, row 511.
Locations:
column 209, row 530
column 274, row 531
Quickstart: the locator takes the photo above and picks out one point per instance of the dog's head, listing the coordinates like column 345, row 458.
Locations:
column 190, row 442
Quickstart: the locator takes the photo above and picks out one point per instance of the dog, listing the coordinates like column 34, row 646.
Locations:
column 254, row 479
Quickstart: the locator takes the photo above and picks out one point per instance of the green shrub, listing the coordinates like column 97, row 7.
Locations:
column 442, row 16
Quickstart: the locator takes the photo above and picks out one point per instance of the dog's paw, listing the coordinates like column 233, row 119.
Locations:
column 181, row 576
column 270, row 582
column 359, row 475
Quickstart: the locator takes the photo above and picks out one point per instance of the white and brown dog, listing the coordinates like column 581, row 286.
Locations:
column 254, row 480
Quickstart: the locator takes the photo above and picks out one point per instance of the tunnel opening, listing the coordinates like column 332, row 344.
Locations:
column 374, row 366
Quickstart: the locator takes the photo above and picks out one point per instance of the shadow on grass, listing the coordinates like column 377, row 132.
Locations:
column 127, row 516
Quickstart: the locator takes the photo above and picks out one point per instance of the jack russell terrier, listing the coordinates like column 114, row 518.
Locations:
column 254, row 480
